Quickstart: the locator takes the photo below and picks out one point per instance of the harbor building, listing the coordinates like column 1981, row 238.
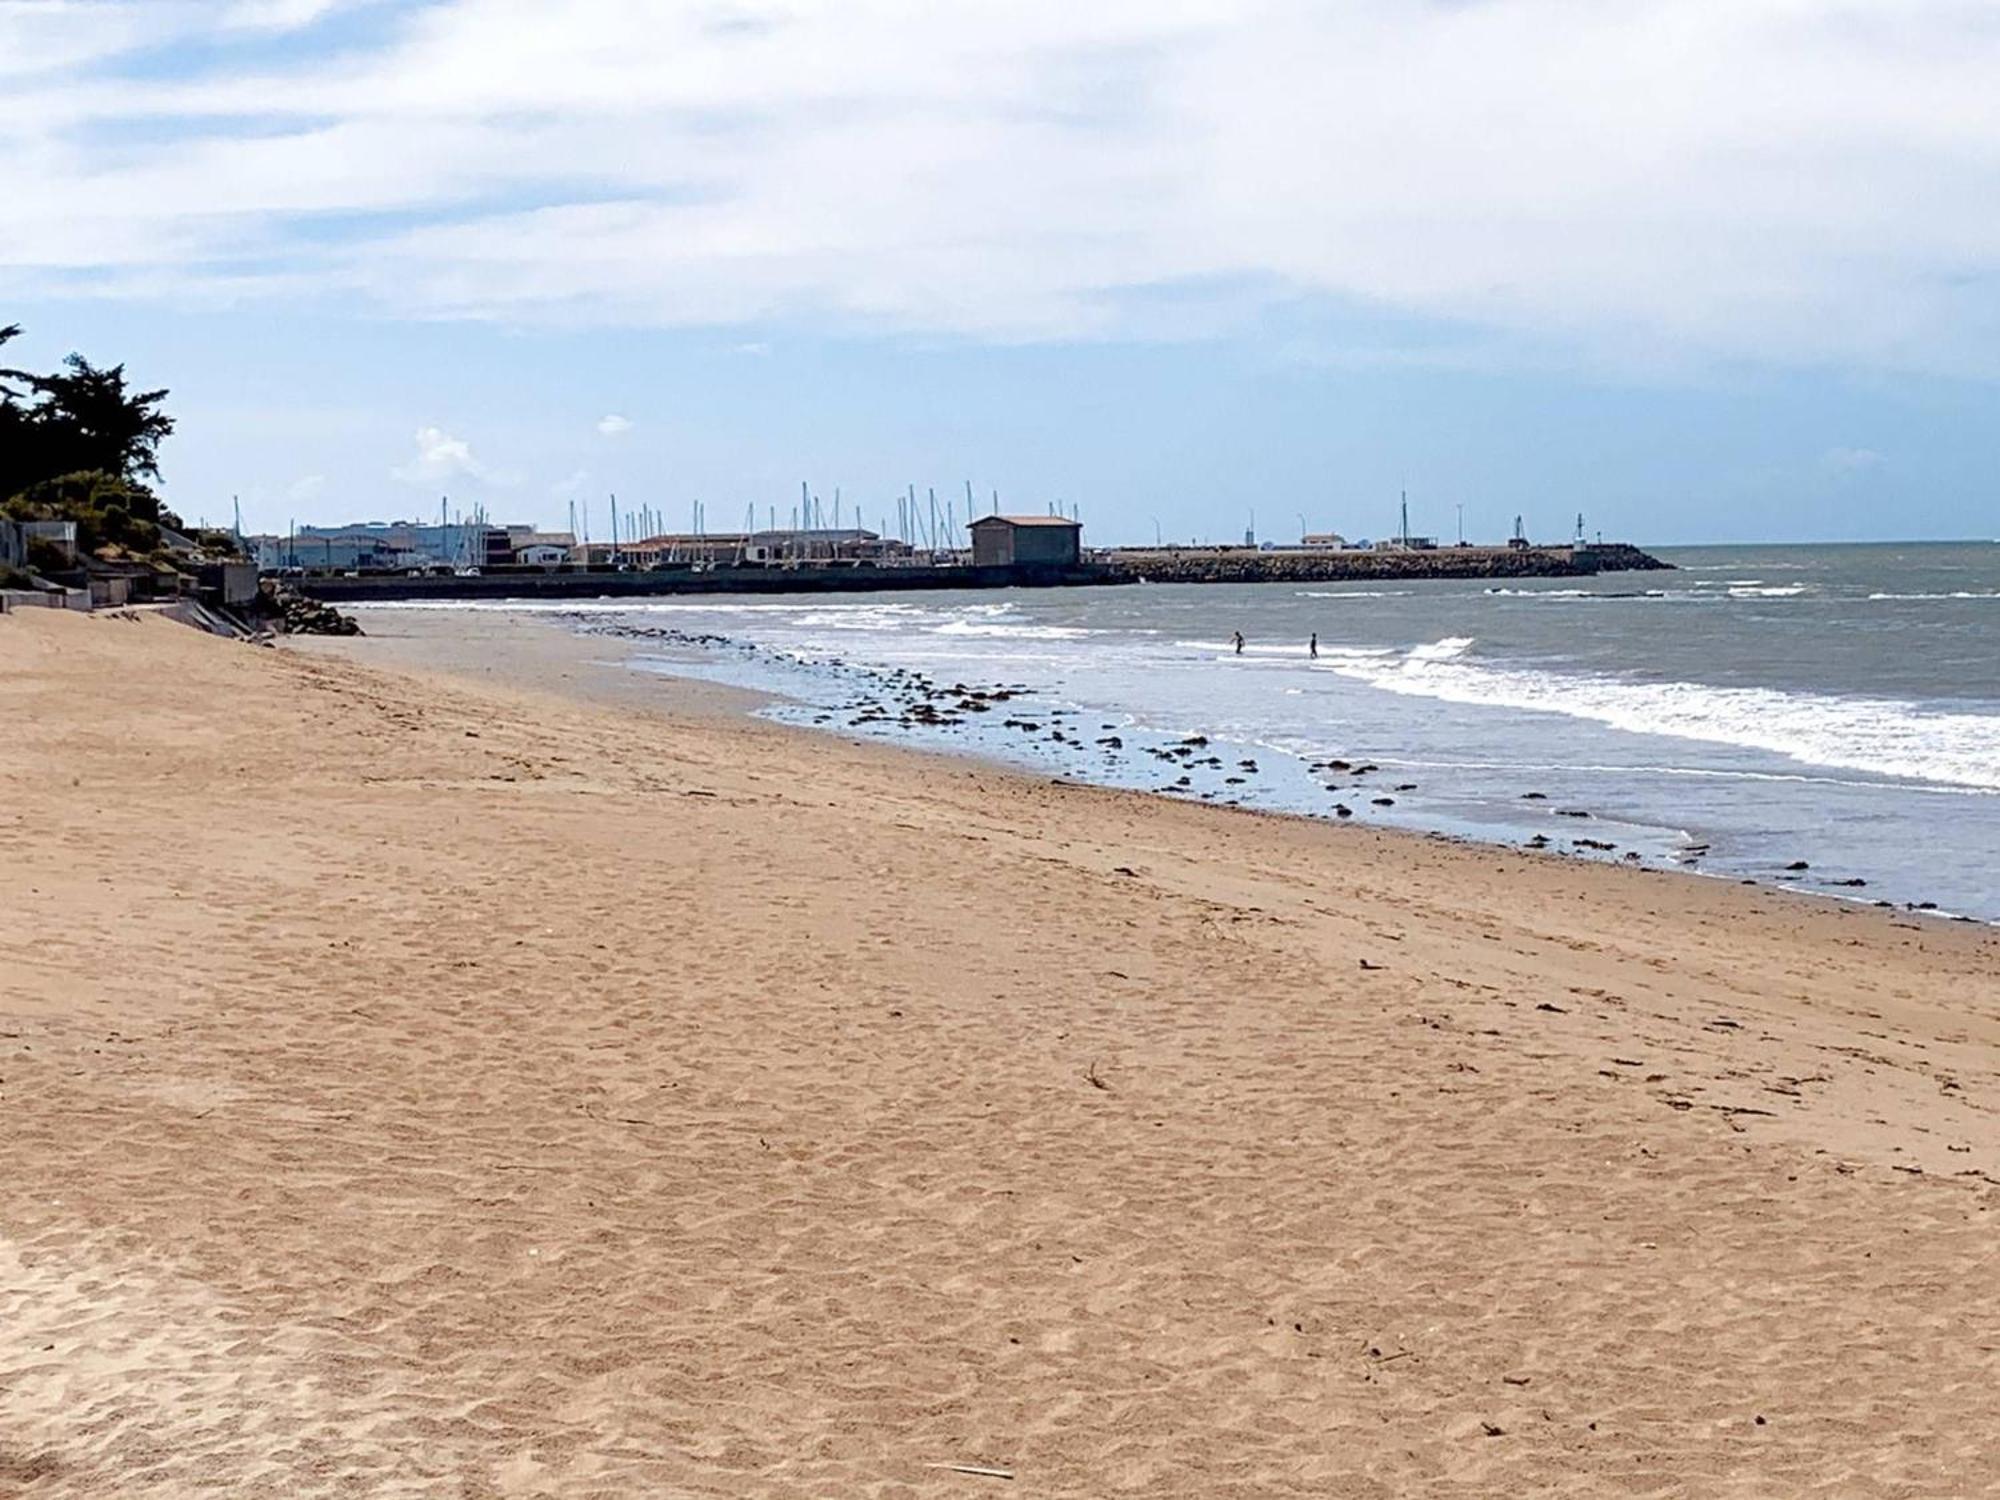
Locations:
column 1030, row 541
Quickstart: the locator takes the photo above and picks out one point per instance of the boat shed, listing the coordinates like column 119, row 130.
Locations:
column 1026, row 541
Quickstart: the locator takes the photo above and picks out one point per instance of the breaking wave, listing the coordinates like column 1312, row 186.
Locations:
column 1881, row 735
column 1012, row 632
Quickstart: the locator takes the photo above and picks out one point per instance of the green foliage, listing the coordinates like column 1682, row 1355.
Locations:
column 109, row 511
column 78, row 445
column 78, row 420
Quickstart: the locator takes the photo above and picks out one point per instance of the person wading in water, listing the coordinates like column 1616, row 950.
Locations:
column 1312, row 646
column 1238, row 638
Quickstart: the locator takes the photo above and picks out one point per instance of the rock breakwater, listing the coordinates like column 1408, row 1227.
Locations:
column 1248, row 565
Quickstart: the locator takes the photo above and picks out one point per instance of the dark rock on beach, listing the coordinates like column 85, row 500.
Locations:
column 295, row 614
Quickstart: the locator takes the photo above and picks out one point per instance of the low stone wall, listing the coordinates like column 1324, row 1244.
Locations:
column 44, row 599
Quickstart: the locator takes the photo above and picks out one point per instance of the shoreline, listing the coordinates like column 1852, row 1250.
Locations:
column 582, row 676
column 525, row 1075
column 667, row 652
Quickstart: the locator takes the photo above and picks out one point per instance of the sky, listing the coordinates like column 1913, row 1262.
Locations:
column 1698, row 271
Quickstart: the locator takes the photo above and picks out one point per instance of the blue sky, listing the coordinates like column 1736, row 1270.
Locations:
column 1700, row 271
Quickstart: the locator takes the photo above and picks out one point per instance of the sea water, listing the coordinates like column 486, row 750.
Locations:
column 1752, row 710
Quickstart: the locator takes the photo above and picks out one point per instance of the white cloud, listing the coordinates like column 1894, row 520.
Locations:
column 440, row 456
column 1655, row 180
column 614, row 425
column 307, row 488
column 280, row 15
column 570, row 487
column 48, row 36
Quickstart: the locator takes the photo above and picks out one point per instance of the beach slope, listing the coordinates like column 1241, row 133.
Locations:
column 419, row 1083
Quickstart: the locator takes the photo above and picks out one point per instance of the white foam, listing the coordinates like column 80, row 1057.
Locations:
column 1449, row 649
column 1862, row 734
column 883, row 617
column 1955, row 594
column 1011, row 632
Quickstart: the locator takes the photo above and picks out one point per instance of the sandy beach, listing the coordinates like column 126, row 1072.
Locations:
column 447, row 1063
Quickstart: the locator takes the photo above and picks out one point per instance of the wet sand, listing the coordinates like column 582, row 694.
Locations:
column 443, row 1063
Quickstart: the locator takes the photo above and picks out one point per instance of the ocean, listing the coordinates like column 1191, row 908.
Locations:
column 1821, row 717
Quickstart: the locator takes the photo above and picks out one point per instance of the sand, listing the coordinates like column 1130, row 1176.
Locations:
column 512, row 1076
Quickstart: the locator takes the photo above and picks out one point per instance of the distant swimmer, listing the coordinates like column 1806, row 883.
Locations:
column 1312, row 646
column 1238, row 638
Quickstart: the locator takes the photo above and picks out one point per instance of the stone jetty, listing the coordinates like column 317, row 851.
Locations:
column 1250, row 565
column 1116, row 566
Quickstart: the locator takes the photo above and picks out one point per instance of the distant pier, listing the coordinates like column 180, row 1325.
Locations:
column 1117, row 566
column 1351, row 565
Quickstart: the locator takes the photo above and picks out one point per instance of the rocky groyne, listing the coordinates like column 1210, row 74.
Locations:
column 294, row 613
column 1248, row 565
column 1623, row 557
